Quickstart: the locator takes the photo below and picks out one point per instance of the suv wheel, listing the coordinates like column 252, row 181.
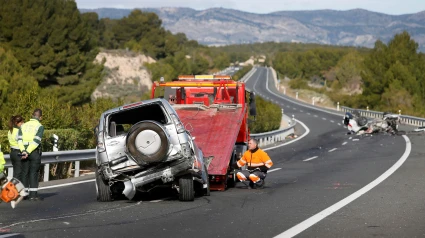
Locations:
column 103, row 191
column 186, row 189
column 147, row 142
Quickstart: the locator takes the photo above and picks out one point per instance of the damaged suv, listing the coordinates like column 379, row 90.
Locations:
column 144, row 145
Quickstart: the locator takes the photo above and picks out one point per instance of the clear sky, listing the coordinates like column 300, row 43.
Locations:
column 394, row 7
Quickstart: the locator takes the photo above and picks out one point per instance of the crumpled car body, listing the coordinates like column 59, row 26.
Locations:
column 144, row 145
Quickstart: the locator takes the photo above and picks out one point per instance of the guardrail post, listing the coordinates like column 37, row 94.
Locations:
column 77, row 169
column 284, row 90
column 399, row 112
column 46, row 172
column 312, row 101
column 367, row 108
column 296, row 95
column 337, row 106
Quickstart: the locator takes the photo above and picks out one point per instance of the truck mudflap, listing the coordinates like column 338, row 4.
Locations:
column 166, row 174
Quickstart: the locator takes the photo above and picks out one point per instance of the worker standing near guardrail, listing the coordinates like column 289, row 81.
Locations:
column 12, row 135
column 29, row 141
column 258, row 163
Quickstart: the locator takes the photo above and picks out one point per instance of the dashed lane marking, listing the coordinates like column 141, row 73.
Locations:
column 344, row 143
column 332, row 150
column 312, row 158
column 274, row 170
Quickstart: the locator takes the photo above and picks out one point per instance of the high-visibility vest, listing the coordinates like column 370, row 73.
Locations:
column 13, row 138
column 256, row 159
column 29, row 135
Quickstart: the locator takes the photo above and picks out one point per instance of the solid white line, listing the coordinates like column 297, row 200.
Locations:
column 273, row 170
column 9, row 235
column 328, row 211
column 312, row 158
column 66, row 184
column 307, row 130
column 332, row 150
column 344, row 143
column 160, row 200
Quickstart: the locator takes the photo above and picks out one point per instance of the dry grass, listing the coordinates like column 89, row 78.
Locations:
column 320, row 100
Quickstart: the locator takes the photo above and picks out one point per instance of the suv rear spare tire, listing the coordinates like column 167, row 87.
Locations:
column 147, row 142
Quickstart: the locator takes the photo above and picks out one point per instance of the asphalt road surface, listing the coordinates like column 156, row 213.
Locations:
column 324, row 184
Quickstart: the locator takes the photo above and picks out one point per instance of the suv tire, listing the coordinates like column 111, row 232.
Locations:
column 186, row 189
column 103, row 191
column 147, row 142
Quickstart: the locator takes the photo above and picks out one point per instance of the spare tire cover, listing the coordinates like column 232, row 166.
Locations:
column 147, row 142
column 361, row 121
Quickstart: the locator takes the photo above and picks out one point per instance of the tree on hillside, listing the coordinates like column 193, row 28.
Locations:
column 394, row 67
column 50, row 38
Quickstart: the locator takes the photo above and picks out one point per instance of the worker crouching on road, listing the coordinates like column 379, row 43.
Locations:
column 258, row 163
column 29, row 142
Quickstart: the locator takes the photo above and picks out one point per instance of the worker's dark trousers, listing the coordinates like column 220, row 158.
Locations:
column 30, row 172
column 17, row 164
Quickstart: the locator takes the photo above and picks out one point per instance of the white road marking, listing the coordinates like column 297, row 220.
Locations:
column 66, row 184
column 332, row 121
column 297, row 229
column 312, row 158
column 161, row 200
column 9, row 235
column 355, row 139
column 308, row 113
column 294, row 108
column 273, row 170
column 339, row 124
column 344, row 143
column 288, row 106
column 307, row 130
column 324, row 118
column 350, row 138
column 301, row 111
column 332, row 150
column 315, row 116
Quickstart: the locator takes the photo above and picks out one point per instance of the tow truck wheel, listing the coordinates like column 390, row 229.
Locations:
column 186, row 189
column 103, row 191
column 147, row 142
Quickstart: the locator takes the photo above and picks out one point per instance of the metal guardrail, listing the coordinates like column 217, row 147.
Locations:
column 57, row 157
column 409, row 120
column 271, row 137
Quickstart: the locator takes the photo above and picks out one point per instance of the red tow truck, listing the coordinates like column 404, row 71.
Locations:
column 214, row 109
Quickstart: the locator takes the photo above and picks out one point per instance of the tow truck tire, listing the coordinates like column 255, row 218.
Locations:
column 186, row 189
column 156, row 151
column 103, row 191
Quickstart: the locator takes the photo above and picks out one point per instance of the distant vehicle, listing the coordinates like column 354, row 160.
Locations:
column 144, row 145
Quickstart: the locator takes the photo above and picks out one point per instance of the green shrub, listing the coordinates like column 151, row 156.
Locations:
column 268, row 116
